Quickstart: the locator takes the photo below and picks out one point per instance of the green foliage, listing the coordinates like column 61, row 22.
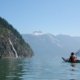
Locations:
column 8, row 32
column 5, row 27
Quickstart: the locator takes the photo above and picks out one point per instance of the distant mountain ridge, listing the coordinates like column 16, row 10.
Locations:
column 48, row 43
column 11, row 42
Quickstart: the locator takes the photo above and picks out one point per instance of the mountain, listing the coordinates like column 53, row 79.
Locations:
column 69, row 43
column 11, row 42
column 49, row 44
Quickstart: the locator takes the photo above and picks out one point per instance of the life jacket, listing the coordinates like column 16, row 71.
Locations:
column 72, row 59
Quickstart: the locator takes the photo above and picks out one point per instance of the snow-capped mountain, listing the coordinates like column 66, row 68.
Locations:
column 49, row 44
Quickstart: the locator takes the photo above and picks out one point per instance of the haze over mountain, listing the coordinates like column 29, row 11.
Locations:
column 49, row 44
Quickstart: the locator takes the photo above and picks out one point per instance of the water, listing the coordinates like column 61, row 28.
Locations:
column 38, row 68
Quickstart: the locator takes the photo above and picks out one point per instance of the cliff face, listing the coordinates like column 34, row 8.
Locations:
column 11, row 42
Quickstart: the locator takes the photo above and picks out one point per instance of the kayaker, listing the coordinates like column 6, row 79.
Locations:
column 73, row 57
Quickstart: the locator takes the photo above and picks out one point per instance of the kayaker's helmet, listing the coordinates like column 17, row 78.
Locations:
column 72, row 53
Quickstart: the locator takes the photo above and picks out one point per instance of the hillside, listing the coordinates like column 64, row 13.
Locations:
column 11, row 42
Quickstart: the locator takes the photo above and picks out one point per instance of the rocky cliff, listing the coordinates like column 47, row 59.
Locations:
column 11, row 42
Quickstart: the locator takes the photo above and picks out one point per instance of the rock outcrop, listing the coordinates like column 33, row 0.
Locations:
column 11, row 42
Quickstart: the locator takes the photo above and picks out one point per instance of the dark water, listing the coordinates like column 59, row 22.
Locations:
column 38, row 68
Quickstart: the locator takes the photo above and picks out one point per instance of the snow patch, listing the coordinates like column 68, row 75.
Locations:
column 37, row 33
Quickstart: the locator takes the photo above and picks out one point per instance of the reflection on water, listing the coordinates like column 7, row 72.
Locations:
column 10, row 69
column 38, row 69
column 74, row 71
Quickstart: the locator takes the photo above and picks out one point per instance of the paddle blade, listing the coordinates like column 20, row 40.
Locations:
column 78, row 53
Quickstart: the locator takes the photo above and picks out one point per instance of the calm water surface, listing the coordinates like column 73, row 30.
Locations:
column 38, row 68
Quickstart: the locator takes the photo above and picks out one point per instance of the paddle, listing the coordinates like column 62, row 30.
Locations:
column 77, row 53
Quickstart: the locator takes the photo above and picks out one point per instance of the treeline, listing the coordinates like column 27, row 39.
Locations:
column 5, row 24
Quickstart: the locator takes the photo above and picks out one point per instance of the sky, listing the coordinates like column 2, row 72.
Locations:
column 48, row 16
